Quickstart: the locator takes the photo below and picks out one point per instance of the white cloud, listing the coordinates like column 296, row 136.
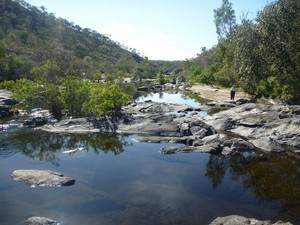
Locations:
column 154, row 44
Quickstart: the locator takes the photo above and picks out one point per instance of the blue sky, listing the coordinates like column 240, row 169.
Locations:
column 158, row 29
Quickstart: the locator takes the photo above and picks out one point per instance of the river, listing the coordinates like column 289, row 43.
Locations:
column 120, row 181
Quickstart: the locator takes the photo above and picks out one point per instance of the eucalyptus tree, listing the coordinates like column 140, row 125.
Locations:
column 267, row 51
column 225, row 21
column 279, row 29
column 248, row 60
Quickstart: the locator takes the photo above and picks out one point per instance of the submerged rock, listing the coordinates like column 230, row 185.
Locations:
column 241, row 220
column 40, row 221
column 42, row 178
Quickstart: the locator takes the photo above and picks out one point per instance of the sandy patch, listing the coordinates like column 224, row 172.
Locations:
column 215, row 93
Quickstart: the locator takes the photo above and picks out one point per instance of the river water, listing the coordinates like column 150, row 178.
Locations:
column 119, row 181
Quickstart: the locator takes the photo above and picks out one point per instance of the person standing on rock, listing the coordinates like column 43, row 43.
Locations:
column 232, row 92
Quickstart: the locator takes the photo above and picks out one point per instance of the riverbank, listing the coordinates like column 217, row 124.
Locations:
column 215, row 93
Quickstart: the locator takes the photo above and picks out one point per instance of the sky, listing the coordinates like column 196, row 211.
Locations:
column 157, row 29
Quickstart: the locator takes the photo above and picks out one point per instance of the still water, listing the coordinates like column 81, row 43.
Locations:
column 119, row 181
column 175, row 98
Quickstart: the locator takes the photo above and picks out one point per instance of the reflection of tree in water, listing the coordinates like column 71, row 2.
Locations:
column 269, row 177
column 46, row 147
column 101, row 142
column 215, row 169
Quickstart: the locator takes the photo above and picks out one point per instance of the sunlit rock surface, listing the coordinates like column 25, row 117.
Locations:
column 37, row 178
column 271, row 128
column 240, row 220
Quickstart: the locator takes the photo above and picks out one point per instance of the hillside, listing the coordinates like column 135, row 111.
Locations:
column 33, row 41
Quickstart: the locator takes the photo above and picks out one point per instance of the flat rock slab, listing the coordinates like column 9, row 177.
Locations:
column 36, row 178
column 41, row 221
column 271, row 128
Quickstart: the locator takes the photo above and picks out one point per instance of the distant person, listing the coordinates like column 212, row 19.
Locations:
column 232, row 92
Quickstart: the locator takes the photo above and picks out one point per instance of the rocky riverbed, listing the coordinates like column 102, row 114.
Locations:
column 244, row 127
column 240, row 126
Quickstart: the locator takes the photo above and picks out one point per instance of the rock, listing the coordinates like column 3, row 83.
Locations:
column 143, row 88
column 36, row 122
column 213, row 144
column 259, row 122
column 181, row 149
column 199, row 129
column 268, row 144
column 42, row 178
column 78, row 125
column 222, row 104
column 41, row 221
column 268, row 127
column 213, row 148
column 226, row 145
column 242, row 101
column 241, row 220
column 149, row 107
column 6, row 103
column 38, row 117
column 158, row 139
column 235, row 146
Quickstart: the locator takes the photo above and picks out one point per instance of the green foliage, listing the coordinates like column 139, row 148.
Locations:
column 75, row 92
column 266, row 51
column 161, row 79
column 224, row 19
column 51, row 47
column 261, row 56
column 7, row 67
column 78, row 97
column 55, row 100
column 7, row 84
column 46, row 72
column 28, row 92
column 105, row 99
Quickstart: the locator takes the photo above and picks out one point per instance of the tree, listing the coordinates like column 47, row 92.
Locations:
column 29, row 93
column 105, row 99
column 267, row 52
column 55, row 100
column 225, row 20
column 279, row 29
column 248, row 61
column 75, row 92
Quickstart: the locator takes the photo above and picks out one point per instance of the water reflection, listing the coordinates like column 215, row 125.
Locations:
column 270, row 177
column 175, row 98
column 47, row 147
column 142, row 186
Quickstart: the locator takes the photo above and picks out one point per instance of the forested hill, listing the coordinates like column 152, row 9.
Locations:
column 34, row 41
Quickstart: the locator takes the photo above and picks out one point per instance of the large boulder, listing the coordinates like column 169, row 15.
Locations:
column 37, row 178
